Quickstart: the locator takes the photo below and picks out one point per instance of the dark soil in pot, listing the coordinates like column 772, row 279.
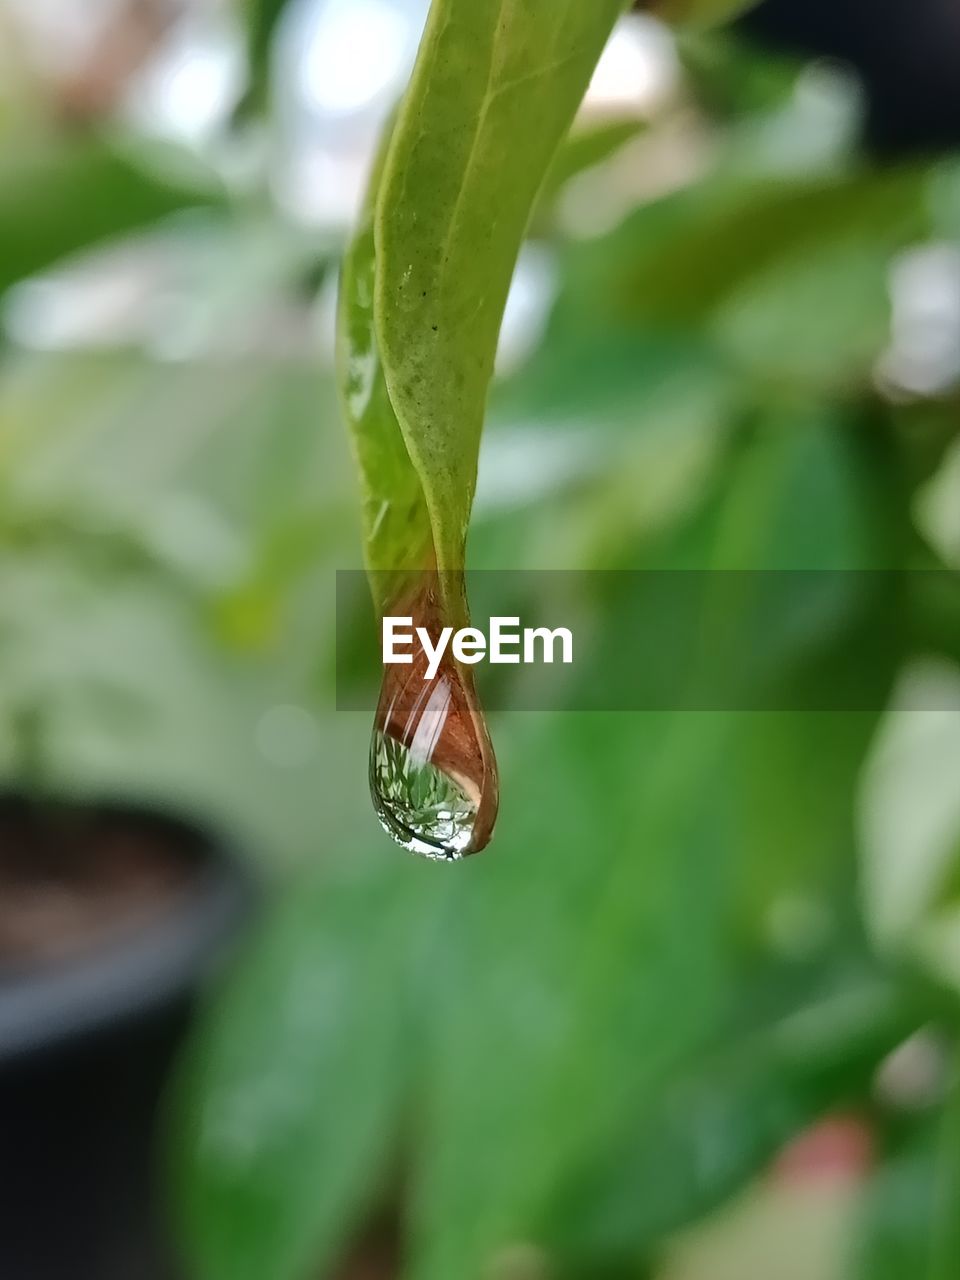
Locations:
column 110, row 917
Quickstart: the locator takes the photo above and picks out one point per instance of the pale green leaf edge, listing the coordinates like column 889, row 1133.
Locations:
column 396, row 525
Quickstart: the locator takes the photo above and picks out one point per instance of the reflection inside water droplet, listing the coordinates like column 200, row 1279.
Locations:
column 433, row 774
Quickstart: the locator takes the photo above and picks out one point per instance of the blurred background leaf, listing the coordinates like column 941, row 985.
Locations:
column 60, row 196
column 909, row 1220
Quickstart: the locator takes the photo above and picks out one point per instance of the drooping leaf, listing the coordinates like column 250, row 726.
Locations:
column 493, row 93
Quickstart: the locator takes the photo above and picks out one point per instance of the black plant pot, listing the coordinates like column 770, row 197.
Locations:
column 87, row 1036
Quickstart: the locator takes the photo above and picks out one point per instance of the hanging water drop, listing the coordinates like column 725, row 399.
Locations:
column 433, row 774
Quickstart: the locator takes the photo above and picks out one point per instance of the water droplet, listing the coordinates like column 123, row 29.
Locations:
column 433, row 773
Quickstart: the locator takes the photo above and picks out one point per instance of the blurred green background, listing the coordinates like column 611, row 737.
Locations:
column 694, row 1016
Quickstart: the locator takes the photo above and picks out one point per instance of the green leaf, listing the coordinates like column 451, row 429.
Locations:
column 730, row 78
column 143, row 507
column 611, row 981
column 910, row 1227
column 58, row 197
column 786, row 277
column 568, row 1005
column 293, row 1087
column 910, row 823
column 493, row 93
column 262, row 19
column 726, row 1115
column 699, row 13
column 396, row 523
column 583, row 149
column 587, row 984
